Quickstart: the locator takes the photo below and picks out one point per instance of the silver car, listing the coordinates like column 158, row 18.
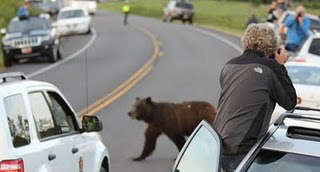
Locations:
column 291, row 144
column 178, row 10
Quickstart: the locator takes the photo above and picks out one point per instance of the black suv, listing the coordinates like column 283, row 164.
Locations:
column 29, row 37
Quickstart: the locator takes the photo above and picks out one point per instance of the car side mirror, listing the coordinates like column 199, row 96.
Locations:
column 3, row 31
column 91, row 124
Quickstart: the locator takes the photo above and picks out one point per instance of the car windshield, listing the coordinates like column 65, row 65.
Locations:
column 184, row 5
column 27, row 25
column 306, row 75
column 275, row 161
column 315, row 47
column 71, row 14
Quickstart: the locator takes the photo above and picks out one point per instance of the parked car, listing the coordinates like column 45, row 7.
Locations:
column 309, row 51
column 178, row 10
column 306, row 80
column 41, row 132
column 90, row 5
column 291, row 144
column 29, row 37
column 72, row 20
column 51, row 7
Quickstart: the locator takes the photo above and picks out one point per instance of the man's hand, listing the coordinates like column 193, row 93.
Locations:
column 282, row 57
column 300, row 20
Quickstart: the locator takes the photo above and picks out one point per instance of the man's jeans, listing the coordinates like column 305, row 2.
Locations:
column 231, row 162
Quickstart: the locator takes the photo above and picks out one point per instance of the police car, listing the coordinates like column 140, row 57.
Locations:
column 40, row 132
column 30, row 37
column 291, row 144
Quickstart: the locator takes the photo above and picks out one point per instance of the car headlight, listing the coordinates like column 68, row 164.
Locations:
column 45, row 38
column 6, row 42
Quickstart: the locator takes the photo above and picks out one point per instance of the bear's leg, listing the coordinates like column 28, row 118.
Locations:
column 178, row 140
column 151, row 135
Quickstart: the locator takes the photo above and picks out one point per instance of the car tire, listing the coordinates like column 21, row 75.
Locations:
column 59, row 55
column 103, row 169
column 7, row 61
column 190, row 20
column 53, row 56
column 88, row 31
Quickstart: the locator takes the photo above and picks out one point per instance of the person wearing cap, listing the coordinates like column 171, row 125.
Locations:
column 126, row 11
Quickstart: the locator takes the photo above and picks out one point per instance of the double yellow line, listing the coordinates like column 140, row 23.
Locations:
column 128, row 84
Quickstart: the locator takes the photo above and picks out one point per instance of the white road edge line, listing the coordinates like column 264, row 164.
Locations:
column 233, row 45
column 64, row 60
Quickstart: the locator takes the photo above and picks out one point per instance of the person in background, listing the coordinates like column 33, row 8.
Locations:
column 298, row 27
column 252, row 19
column 24, row 10
column 126, row 10
column 251, row 85
column 272, row 13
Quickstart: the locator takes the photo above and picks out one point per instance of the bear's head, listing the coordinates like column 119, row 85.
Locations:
column 142, row 109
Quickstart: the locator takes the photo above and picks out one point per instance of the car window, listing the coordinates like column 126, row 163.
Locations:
column 314, row 24
column 202, row 153
column 62, row 113
column 17, row 120
column 71, row 14
column 28, row 25
column 305, row 75
column 42, row 115
column 315, row 47
column 184, row 5
column 268, row 160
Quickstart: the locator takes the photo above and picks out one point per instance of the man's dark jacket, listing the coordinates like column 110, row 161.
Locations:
column 251, row 85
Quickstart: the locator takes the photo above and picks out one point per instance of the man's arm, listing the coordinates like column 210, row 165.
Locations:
column 305, row 26
column 289, row 21
column 282, row 88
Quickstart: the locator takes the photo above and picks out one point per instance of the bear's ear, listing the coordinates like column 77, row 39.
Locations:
column 137, row 98
column 149, row 100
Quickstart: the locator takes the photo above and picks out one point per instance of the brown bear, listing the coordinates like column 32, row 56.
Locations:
column 174, row 120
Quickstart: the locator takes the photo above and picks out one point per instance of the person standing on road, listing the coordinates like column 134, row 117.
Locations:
column 126, row 10
column 251, row 85
column 298, row 27
column 24, row 10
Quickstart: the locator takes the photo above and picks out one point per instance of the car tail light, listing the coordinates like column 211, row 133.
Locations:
column 12, row 166
column 300, row 60
column 299, row 100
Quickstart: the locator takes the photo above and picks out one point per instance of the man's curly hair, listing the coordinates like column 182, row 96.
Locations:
column 262, row 38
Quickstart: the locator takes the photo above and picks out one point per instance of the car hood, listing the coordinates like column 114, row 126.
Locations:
column 26, row 34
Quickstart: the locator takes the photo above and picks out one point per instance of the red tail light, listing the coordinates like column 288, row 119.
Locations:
column 300, row 60
column 12, row 166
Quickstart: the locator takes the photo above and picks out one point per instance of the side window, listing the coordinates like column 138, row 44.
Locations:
column 17, row 120
column 42, row 115
column 62, row 113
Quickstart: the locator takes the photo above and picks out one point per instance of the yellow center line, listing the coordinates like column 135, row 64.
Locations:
column 128, row 84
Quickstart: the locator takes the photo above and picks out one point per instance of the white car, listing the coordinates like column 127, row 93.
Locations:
column 310, row 50
column 178, row 10
column 40, row 132
column 72, row 20
column 306, row 81
column 90, row 5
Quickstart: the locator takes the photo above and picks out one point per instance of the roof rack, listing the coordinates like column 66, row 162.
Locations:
column 303, row 108
column 12, row 75
column 280, row 120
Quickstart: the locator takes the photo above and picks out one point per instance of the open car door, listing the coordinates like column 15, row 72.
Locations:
column 202, row 151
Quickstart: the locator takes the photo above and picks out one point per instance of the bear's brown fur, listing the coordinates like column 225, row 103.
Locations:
column 174, row 120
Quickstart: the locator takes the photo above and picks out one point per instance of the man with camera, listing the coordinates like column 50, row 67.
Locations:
column 251, row 85
column 298, row 27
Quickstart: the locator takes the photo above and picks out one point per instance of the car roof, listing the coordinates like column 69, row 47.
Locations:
column 306, row 64
column 282, row 139
column 70, row 8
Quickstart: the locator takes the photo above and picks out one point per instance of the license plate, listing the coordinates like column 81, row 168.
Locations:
column 26, row 50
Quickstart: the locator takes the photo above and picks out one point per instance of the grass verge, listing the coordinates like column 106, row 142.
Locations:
column 226, row 16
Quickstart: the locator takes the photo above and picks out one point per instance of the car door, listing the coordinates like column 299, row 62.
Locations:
column 54, row 132
column 202, row 151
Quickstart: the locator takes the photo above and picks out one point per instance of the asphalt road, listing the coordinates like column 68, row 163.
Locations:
column 188, row 69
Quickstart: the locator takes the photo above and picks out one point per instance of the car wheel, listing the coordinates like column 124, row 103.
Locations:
column 88, row 31
column 59, row 55
column 53, row 56
column 103, row 169
column 191, row 20
column 7, row 61
column 183, row 21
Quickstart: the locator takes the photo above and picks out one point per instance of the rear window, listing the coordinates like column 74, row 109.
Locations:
column 268, row 160
column 315, row 47
column 17, row 120
column 71, row 14
column 305, row 75
column 184, row 5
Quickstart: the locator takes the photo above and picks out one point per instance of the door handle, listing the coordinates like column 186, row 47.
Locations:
column 75, row 150
column 52, row 157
